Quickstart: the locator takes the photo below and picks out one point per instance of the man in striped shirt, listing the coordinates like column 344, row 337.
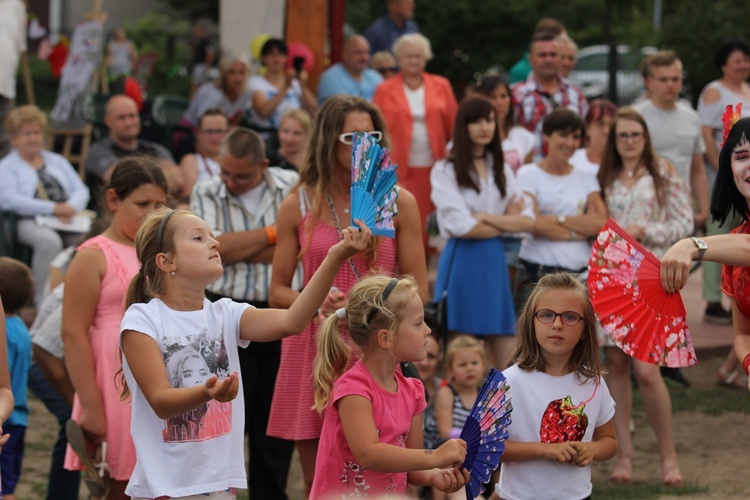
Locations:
column 240, row 205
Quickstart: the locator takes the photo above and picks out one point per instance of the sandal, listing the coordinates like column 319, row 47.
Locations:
column 93, row 473
column 729, row 379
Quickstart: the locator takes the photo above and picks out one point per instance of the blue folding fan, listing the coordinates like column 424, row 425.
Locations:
column 373, row 191
column 485, row 432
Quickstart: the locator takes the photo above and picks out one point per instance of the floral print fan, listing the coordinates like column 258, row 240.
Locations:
column 373, row 191
column 633, row 309
column 485, row 432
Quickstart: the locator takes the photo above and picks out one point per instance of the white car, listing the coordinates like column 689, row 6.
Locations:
column 591, row 72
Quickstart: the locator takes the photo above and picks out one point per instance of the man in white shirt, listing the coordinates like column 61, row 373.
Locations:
column 675, row 128
column 12, row 44
column 240, row 206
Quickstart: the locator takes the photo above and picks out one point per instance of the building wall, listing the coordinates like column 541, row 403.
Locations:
column 117, row 11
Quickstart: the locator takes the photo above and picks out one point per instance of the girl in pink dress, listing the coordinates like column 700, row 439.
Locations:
column 93, row 305
column 371, row 444
column 308, row 224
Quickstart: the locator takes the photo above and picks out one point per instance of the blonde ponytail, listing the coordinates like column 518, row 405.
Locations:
column 330, row 361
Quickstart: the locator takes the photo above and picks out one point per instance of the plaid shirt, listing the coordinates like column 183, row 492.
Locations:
column 532, row 105
column 225, row 213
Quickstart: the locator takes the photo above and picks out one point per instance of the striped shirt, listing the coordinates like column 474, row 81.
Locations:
column 225, row 213
column 532, row 105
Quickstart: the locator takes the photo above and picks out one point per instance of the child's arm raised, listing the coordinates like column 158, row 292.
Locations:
column 265, row 325
column 602, row 446
column 147, row 365
column 516, row 451
column 362, row 436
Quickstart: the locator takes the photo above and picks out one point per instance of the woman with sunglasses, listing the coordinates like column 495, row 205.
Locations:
column 419, row 108
column 309, row 223
column 647, row 197
column 384, row 63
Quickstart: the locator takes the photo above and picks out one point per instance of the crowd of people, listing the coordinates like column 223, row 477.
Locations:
column 256, row 306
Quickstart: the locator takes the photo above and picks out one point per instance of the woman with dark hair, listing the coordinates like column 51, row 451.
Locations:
column 568, row 204
column 517, row 142
column 95, row 287
column 280, row 89
column 478, row 200
column 647, row 197
column 598, row 122
column 309, row 223
column 730, row 199
column 732, row 59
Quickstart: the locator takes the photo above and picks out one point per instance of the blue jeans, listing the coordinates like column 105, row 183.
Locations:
column 63, row 483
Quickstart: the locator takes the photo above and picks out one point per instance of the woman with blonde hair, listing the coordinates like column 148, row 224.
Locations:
column 229, row 92
column 39, row 182
column 419, row 108
column 309, row 222
column 293, row 129
column 647, row 197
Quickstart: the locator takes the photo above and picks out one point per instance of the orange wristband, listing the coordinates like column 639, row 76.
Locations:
column 270, row 234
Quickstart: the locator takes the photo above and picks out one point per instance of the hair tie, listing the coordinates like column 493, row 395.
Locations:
column 341, row 313
column 160, row 232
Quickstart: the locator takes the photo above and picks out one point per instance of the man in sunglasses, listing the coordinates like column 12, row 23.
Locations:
column 544, row 90
column 240, row 205
column 352, row 76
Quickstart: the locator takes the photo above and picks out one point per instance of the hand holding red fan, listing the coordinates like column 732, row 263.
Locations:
column 633, row 309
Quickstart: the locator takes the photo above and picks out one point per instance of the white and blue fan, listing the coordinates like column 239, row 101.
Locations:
column 373, row 191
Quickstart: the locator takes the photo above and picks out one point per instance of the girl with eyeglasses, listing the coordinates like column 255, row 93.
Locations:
column 309, row 223
column 647, row 197
column 562, row 409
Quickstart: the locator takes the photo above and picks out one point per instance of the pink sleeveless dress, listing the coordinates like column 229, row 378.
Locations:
column 104, row 334
column 291, row 414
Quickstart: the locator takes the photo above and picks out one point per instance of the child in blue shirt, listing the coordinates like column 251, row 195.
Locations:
column 16, row 288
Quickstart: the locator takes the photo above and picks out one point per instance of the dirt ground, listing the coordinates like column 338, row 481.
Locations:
column 712, row 449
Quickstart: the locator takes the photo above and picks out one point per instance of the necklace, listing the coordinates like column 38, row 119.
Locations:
column 631, row 173
column 338, row 229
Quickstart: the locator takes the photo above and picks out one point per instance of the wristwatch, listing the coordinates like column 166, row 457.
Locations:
column 702, row 247
column 561, row 220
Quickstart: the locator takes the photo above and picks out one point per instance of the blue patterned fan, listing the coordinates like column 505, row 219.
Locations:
column 485, row 432
column 373, row 191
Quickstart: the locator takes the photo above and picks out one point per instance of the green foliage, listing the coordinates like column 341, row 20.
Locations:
column 152, row 33
column 195, row 9
column 45, row 85
column 694, row 29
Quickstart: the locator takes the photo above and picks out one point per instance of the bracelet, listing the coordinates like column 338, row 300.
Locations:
column 746, row 363
column 270, row 234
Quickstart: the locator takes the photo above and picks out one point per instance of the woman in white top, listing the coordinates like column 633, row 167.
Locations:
column 280, row 89
column 229, row 93
column 37, row 182
column 598, row 121
column 204, row 163
column 647, row 197
column 569, row 207
column 419, row 108
column 477, row 200
column 517, row 141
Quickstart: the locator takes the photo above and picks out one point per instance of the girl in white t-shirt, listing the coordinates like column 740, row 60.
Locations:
column 562, row 410
column 180, row 356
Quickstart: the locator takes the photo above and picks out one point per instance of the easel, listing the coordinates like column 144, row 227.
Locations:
column 71, row 135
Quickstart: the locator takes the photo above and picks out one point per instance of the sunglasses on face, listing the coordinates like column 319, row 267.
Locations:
column 384, row 71
column 349, row 136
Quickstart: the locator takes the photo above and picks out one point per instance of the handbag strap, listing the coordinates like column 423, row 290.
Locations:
column 450, row 266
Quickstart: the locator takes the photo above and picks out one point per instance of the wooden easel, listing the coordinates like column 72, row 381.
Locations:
column 71, row 135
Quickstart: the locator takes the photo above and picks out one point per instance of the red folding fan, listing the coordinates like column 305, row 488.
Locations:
column 633, row 309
